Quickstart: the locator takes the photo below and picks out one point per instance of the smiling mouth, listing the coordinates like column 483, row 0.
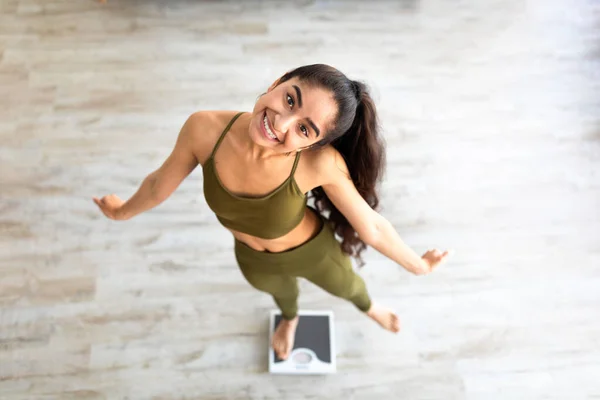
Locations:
column 269, row 133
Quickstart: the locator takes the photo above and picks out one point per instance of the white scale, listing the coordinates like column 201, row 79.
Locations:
column 314, row 345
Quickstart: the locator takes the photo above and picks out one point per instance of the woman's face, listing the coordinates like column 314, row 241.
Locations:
column 292, row 116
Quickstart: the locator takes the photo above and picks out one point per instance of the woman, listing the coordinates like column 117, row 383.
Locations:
column 314, row 130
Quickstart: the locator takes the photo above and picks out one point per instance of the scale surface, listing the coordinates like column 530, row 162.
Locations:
column 314, row 346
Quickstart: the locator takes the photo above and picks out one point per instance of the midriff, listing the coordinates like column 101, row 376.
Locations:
column 307, row 229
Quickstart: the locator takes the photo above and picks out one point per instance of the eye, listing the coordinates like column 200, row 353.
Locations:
column 290, row 100
column 304, row 130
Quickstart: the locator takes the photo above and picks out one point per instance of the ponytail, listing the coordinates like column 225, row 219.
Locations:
column 363, row 150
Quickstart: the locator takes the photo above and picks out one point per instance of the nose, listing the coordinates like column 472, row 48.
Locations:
column 283, row 123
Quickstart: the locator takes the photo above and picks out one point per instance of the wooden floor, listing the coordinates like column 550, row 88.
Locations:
column 491, row 112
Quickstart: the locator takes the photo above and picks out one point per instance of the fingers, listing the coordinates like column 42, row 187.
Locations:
column 101, row 203
column 107, row 201
column 436, row 257
column 435, row 253
column 447, row 254
column 102, row 200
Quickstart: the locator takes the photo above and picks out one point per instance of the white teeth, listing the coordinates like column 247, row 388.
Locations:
column 269, row 132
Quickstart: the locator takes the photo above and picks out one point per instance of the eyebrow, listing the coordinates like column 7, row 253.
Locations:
column 299, row 94
column 310, row 122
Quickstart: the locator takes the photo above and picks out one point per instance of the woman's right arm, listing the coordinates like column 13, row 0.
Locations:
column 373, row 229
column 159, row 185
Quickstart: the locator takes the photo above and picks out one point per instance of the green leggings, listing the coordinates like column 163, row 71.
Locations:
column 320, row 260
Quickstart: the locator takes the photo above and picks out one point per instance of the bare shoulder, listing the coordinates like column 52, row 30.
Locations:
column 322, row 166
column 203, row 129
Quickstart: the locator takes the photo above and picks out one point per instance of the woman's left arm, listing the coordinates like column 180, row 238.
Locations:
column 371, row 227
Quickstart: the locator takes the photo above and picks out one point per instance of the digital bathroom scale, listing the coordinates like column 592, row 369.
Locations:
column 314, row 346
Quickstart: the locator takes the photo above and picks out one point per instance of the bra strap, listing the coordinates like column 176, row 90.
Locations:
column 227, row 128
column 295, row 163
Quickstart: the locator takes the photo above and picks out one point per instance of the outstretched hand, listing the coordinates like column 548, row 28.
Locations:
column 433, row 258
column 110, row 205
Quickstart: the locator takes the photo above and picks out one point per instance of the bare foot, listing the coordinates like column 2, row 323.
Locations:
column 384, row 317
column 283, row 337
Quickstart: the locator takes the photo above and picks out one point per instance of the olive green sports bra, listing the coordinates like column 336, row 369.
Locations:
column 266, row 217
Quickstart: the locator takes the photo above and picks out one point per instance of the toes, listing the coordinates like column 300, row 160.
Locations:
column 392, row 322
column 386, row 318
column 288, row 349
column 278, row 348
column 283, row 353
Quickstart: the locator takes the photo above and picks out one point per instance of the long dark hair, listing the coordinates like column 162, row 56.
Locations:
column 355, row 134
